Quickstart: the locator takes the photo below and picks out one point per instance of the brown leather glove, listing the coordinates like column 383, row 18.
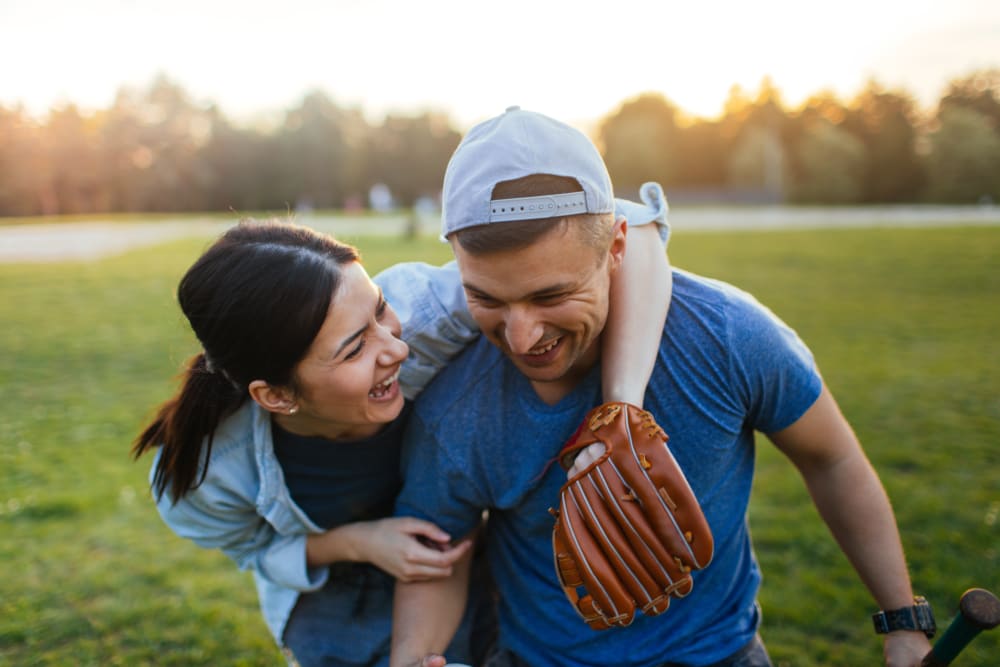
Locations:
column 629, row 530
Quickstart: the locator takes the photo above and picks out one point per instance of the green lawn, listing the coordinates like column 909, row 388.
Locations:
column 903, row 324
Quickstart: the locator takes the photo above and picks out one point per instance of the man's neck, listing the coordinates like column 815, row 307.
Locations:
column 554, row 391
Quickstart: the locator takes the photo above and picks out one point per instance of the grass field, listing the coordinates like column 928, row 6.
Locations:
column 903, row 324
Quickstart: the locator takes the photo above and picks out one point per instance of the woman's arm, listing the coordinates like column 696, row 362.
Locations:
column 640, row 298
column 219, row 516
column 215, row 517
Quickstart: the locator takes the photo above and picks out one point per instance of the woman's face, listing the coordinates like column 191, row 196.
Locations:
column 347, row 384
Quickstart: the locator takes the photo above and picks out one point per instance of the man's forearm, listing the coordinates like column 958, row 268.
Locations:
column 854, row 505
column 850, row 498
column 426, row 614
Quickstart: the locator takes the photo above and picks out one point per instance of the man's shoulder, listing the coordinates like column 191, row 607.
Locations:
column 465, row 382
column 695, row 287
column 709, row 297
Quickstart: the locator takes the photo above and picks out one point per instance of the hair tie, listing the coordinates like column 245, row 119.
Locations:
column 214, row 369
column 210, row 366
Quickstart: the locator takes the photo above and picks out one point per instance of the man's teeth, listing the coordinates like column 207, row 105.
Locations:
column 545, row 349
column 384, row 386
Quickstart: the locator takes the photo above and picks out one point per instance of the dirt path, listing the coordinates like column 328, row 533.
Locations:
column 94, row 240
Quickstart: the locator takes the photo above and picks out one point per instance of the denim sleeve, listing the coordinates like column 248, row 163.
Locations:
column 430, row 303
column 215, row 517
column 653, row 209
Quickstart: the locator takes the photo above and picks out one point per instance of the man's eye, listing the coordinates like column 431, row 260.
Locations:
column 549, row 299
column 485, row 301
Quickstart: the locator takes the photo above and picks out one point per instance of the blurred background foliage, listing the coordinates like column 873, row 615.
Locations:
column 157, row 150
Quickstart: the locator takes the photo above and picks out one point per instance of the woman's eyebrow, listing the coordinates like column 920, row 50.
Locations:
column 347, row 341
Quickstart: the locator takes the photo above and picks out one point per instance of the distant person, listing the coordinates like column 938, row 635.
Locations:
column 281, row 448
column 539, row 288
column 380, row 198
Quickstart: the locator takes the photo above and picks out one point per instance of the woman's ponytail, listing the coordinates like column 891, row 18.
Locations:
column 186, row 422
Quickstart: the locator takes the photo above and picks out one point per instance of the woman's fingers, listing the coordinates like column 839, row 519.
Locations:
column 437, row 555
column 586, row 456
column 425, row 529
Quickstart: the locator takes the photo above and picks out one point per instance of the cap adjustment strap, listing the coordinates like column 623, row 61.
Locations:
column 542, row 206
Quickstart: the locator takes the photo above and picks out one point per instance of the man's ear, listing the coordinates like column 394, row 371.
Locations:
column 617, row 249
column 273, row 399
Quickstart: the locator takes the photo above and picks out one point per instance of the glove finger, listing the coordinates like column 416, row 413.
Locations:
column 656, row 561
column 569, row 579
column 601, row 511
column 599, row 577
column 649, row 469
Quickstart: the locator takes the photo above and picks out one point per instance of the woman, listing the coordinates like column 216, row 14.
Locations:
column 281, row 447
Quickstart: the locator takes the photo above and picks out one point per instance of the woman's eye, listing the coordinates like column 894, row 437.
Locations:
column 357, row 350
column 383, row 305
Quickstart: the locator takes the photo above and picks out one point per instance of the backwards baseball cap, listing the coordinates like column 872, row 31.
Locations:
column 512, row 145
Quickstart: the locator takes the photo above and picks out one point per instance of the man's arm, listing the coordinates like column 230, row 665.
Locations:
column 426, row 615
column 851, row 500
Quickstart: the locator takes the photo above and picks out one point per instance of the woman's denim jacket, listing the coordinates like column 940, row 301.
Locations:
column 243, row 506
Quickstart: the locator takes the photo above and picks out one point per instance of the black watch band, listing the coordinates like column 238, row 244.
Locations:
column 919, row 617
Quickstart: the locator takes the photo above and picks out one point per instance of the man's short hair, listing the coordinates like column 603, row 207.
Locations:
column 594, row 229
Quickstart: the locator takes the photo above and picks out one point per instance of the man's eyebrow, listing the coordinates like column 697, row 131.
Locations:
column 472, row 288
column 552, row 289
column 548, row 290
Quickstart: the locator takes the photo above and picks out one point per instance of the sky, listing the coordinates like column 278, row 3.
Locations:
column 576, row 61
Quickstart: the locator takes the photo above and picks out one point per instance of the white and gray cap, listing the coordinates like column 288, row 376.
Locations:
column 512, row 145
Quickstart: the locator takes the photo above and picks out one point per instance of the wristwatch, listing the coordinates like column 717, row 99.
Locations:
column 918, row 617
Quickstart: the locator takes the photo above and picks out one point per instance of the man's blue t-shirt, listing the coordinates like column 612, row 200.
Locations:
column 480, row 438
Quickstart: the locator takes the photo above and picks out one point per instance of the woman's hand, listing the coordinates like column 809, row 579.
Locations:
column 586, row 456
column 409, row 549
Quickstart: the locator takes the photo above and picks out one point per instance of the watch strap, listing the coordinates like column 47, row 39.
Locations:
column 918, row 617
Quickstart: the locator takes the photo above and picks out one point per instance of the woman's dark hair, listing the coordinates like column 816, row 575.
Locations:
column 256, row 300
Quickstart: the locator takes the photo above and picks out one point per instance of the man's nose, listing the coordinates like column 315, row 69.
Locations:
column 522, row 330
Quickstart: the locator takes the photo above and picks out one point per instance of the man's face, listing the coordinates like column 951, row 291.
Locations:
column 544, row 305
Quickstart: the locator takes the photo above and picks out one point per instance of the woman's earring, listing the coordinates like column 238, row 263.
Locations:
column 292, row 410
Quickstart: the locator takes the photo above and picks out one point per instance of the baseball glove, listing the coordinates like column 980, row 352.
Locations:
column 628, row 530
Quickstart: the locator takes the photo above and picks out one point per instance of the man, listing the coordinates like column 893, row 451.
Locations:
column 527, row 209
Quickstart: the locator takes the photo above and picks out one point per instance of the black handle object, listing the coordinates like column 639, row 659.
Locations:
column 978, row 610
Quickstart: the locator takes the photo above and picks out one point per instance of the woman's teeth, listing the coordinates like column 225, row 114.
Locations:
column 381, row 388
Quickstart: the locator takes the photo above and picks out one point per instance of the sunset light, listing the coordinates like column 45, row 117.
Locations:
column 576, row 61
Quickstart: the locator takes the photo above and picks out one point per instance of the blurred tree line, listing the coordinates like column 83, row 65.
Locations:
column 157, row 150
column 877, row 148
